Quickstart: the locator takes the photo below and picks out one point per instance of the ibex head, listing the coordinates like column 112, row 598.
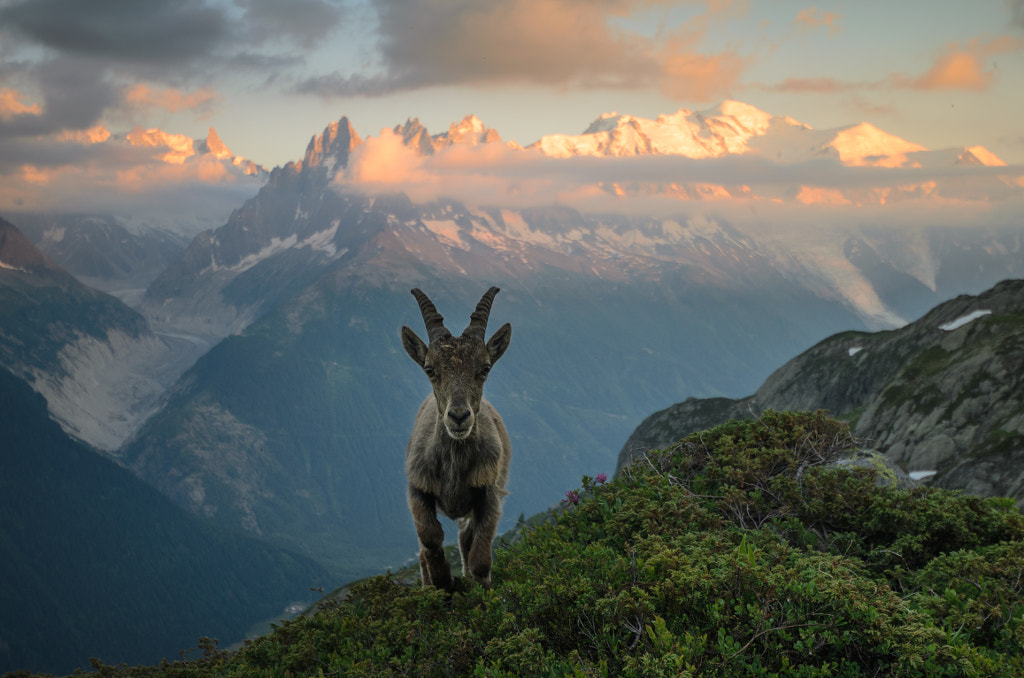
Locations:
column 457, row 366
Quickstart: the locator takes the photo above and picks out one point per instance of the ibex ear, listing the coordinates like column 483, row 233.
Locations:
column 414, row 346
column 499, row 342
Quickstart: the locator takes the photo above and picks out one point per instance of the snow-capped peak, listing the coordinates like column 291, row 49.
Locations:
column 471, row 130
column 865, row 144
column 985, row 156
column 749, row 119
column 214, row 146
column 332, row 147
column 721, row 130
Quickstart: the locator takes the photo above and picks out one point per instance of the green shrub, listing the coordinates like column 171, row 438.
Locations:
column 737, row 552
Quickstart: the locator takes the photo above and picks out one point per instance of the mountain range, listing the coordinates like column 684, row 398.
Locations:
column 306, row 283
column 942, row 397
column 259, row 380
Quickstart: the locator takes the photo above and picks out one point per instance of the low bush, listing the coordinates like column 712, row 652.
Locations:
column 737, row 552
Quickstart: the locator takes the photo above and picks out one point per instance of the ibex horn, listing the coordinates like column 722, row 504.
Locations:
column 431, row 318
column 478, row 320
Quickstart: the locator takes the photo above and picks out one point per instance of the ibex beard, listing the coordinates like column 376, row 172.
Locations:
column 458, row 456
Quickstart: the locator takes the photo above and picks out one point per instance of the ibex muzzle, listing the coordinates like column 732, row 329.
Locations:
column 459, row 453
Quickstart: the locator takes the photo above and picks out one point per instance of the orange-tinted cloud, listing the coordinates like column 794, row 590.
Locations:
column 12, row 104
column 867, row 168
column 172, row 100
column 146, row 172
column 965, row 67
column 559, row 43
column 957, row 67
column 812, row 18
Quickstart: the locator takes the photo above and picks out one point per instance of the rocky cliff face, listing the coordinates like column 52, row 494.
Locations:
column 942, row 397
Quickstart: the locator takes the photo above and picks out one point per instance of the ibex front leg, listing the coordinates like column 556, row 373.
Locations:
column 434, row 567
column 477, row 532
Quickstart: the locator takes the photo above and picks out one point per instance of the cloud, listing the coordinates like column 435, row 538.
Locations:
column 813, row 18
column 74, row 95
column 144, row 173
column 964, row 67
column 494, row 174
column 12, row 104
column 166, row 32
column 556, row 43
column 83, row 59
column 956, row 67
column 302, row 22
column 142, row 96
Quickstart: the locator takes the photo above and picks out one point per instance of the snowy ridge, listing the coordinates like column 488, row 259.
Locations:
column 718, row 131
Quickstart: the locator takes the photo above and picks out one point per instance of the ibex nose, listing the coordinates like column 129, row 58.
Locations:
column 458, row 415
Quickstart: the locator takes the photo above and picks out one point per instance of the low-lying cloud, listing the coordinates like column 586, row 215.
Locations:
column 497, row 175
column 94, row 172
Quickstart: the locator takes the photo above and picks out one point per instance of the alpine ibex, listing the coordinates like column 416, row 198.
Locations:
column 459, row 453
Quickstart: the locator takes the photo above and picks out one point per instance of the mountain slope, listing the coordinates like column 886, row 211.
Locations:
column 96, row 562
column 944, row 394
column 95, row 360
column 102, row 251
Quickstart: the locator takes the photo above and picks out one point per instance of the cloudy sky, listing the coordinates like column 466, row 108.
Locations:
column 268, row 74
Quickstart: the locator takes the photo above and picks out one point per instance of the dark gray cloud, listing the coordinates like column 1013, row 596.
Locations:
column 302, row 22
column 166, row 32
column 96, row 49
column 75, row 93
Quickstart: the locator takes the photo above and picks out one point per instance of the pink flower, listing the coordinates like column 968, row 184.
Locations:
column 600, row 478
column 571, row 498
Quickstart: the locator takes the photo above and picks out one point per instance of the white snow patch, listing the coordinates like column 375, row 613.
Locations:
column 963, row 320
column 324, row 240
column 55, row 234
column 11, row 267
column 276, row 245
column 854, row 350
column 921, row 475
column 447, row 232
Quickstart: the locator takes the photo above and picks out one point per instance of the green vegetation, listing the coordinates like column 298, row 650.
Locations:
column 736, row 552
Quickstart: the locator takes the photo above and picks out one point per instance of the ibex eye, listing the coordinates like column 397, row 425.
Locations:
column 485, row 369
column 429, row 371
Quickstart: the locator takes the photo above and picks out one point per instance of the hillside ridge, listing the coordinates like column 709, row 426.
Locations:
column 942, row 397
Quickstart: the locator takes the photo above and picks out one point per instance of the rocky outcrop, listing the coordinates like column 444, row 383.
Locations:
column 942, row 397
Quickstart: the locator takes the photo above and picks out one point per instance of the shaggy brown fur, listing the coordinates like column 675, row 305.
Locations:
column 459, row 453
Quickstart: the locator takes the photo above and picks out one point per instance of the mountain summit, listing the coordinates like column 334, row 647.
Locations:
column 724, row 129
